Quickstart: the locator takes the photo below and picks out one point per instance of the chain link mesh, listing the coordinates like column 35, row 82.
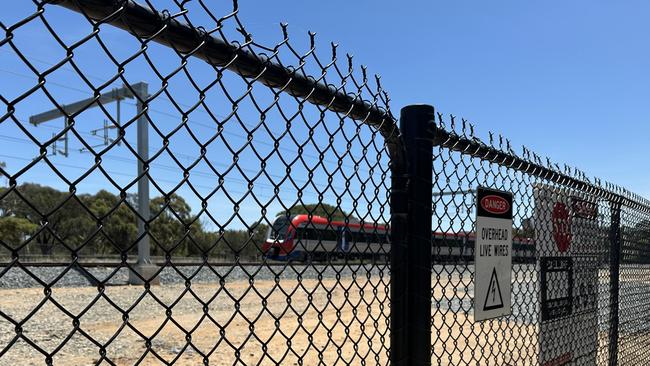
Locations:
column 633, row 307
column 178, row 192
column 268, row 214
column 582, row 332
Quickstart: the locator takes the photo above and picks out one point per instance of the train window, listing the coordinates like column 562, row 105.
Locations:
column 370, row 235
column 362, row 237
column 279, row 228
column 332, row 234
column 300, row 233
column 317, row 234
column 310, row 234
column 329, row 235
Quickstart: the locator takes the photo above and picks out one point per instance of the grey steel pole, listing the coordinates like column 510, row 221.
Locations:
column 144, row 248
column 141, row 92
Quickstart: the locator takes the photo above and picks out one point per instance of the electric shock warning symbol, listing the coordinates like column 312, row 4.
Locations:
column 493, row 299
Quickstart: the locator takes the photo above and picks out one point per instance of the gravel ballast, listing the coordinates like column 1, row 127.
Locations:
column 16, row 277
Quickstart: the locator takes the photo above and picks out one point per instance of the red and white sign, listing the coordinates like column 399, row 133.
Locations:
column 493, row 254
column 566, row 233
column 561, row 227
column 495, row 204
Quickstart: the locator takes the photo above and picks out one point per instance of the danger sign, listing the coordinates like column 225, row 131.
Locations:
column 493, row 254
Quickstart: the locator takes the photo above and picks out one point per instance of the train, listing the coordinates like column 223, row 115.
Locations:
column 303, row 238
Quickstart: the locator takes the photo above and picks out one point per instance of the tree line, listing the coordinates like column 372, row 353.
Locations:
column 41, row 220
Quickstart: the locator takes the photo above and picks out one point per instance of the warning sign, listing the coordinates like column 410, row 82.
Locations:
column 494, row 299
column 493, row 254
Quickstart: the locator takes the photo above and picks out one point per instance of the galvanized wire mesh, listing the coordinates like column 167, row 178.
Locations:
column 268, row 174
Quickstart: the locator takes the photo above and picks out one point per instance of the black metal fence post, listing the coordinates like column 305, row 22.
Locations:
column 411, row 240
column 614, row 273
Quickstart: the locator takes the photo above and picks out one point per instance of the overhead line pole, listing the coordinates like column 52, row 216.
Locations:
column 140, row 92
column 144, row 247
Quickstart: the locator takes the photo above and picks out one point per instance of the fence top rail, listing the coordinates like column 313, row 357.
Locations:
column 531, row 163
column 152, row 25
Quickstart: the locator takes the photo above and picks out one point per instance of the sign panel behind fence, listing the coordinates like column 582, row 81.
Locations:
column 569, row 243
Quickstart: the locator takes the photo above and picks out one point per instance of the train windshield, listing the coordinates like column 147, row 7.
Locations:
column 279, row 229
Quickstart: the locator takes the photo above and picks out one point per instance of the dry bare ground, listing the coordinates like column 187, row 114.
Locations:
column 287, row 322
column 308, row 323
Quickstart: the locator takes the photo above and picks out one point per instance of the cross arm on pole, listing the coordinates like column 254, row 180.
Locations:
column 70, row 109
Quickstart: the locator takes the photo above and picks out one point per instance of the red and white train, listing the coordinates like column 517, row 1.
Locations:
column 301, row 239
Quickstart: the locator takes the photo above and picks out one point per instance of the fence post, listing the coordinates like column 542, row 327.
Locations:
column 411, row 240
column 614, row 273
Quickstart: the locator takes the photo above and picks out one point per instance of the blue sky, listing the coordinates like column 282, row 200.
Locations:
column 567, row 79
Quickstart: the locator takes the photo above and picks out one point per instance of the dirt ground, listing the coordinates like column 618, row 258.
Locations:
column 313, row 322
column 285, row 323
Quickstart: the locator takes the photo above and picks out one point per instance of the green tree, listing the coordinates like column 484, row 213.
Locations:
column 205, row 242
column 119, row 228
column 60, row 215
column 104, row 223
column 173, row 228
column 319, row 209
column 15, row 230
column 246, row 243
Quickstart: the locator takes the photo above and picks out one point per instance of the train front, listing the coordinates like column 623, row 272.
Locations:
column 279, row 239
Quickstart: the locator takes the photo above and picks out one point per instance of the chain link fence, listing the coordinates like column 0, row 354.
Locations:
column 568, row 233
column 146, row 150
column 178, row 193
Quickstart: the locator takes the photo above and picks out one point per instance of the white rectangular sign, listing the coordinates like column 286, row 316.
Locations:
column 493, row 254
